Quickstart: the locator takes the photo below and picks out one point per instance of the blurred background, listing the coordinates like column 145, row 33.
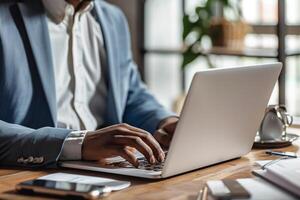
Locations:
column 173, row 39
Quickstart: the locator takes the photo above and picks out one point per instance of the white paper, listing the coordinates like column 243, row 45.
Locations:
column 74, row 178
column 263, row 190
column 259, row 189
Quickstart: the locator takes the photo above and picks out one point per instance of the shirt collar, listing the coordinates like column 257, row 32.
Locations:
column 57, row 9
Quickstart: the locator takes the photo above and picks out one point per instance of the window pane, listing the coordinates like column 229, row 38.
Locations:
column 163, row 77
column 293, row 42
column 163, row 24
column 261, row 41
column 260, row 11
column 293, row 86
column 292, row 11
column 190, row 5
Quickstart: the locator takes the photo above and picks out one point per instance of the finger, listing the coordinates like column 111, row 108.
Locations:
column 134, row 128
column 155, row 146
column 133, row 150
column 147, row 138
column 121, row 127
column 125, row 153
column 138, row 143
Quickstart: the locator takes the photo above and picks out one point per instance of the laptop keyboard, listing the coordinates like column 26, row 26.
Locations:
column 145, row 165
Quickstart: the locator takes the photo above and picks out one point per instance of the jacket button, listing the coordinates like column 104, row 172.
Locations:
column 30, row 159
column 20, row 160
column 41, row 159
column 38, row 160
column 35, row 160
column 25, row 161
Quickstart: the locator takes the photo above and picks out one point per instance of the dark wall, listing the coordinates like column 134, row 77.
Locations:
column 134, row 11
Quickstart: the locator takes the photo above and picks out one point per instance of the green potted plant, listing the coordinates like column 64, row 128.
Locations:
column 207, row 21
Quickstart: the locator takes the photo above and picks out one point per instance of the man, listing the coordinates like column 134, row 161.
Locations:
column 69, row 89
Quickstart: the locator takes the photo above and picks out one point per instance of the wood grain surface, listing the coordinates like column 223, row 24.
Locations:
column 181, row 187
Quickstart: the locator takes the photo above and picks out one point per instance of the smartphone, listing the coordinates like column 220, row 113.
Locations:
column 64, row 189
column 227, row 189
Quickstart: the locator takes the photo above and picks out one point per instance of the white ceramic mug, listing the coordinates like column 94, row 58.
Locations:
column 275, row 122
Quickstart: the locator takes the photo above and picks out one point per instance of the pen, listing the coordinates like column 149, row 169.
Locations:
column 278, row 153
column 202, row 194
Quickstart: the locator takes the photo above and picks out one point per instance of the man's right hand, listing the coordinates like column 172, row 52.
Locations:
column 118, row 140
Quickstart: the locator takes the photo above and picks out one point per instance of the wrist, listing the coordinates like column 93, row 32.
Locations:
column 87, row 144
column 167, row 120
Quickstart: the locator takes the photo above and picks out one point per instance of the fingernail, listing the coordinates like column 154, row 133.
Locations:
column 152, row 160
column 161, row 157
column 137, row 164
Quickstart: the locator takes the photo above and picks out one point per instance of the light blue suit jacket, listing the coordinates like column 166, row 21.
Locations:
column 27, row 88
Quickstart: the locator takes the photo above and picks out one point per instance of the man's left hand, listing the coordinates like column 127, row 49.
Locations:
column 165, row 131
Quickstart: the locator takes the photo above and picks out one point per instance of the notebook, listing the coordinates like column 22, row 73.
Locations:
column 259, row 189
column 283, row 173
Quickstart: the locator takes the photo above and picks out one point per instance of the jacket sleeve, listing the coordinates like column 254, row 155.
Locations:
column 142, row 109
column 25, row 147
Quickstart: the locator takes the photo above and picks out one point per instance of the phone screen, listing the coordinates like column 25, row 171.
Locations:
column 62, row 186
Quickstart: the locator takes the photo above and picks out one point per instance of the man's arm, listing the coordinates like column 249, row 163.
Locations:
column 142, row 109
column 25, row 147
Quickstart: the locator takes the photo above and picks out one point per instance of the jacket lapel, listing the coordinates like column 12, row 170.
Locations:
column 35, row 22
column 36, row 26
column 112, row 58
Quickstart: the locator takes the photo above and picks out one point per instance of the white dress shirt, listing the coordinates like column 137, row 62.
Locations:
column 76, row 39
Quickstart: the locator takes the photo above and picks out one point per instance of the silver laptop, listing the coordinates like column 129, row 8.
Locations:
column 219, row 121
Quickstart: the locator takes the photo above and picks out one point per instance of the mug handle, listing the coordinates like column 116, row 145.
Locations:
column 286, row 118
column 289, row 119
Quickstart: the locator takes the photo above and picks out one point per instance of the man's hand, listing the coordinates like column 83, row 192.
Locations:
column 118, row 140
column 165, row 131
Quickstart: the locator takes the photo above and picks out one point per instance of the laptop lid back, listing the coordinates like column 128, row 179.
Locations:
column 221, row 116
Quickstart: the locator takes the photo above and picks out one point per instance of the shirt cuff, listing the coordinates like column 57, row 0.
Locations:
column 72, row 146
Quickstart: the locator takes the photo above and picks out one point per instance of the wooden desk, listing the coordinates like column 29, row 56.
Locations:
column 182, row 187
